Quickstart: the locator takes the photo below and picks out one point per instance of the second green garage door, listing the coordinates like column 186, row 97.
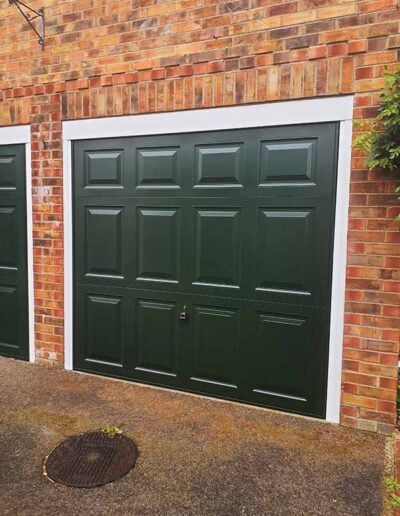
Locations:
column 203, row 261
column 13, row 259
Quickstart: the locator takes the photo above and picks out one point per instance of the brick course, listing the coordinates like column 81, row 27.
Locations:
column 113, row 58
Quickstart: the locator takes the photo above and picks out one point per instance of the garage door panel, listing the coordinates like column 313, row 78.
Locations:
column 219, row 165
column 12, row 241
column 288, row 162
column 284, row 250
column 8, row 172
column 9, row 320
column 9, row 255
column 103, row 248
column 217, row 247
column 13, row 323
column 103, row 168
column 104, row 329
column 156, row 337
column 104, row 241
column 280, row 355
column 158, row 168
column 291, row 251
column 216, row 345
column 101, row 330
column 158, row 244
column 12, row 168
column 286, row 356
column 218, row 162
column 298, row 160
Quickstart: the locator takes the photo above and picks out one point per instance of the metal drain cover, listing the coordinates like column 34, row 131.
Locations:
column 91, row 459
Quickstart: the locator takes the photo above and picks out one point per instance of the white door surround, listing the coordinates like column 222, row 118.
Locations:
column 13, row 135
column 329, row 109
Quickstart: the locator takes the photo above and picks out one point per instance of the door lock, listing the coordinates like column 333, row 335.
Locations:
column 183, row 315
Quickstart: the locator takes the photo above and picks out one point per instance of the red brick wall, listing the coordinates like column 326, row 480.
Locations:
column 109, row 58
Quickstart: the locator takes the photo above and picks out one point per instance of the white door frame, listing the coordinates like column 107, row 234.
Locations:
column 330, row 109
column 13, row 135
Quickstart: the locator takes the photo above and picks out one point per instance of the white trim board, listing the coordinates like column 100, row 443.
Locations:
column 14, row 135
column 292, row 112
column 331, row 109
column 339, row 272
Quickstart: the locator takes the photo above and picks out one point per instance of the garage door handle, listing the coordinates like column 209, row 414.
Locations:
column 183, row 315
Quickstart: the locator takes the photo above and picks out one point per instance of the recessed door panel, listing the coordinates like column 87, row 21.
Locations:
column 9, row 249
column 284, row 250
column 157, row 244
column 217, row 247
column 288, row 162
column 103, row 169
column 104, row 241
column 9, row 320
column 158, row 168
column 280, row 352
column 286, row 356
column 103, row 342
column 219, row 166
column 215, row 346
column 295, row 161
column 156, row 341
column 8, row 171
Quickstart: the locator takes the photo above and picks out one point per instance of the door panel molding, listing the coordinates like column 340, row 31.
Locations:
column 332, row 109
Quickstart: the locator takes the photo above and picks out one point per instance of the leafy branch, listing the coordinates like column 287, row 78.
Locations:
column 381, row 142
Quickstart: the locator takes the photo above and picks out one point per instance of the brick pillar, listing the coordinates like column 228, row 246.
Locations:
column 372, row 314
column 47, row 184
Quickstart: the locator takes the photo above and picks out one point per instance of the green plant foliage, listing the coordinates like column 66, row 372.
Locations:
column 382, row 142
column 111, row 430
column 393, row 489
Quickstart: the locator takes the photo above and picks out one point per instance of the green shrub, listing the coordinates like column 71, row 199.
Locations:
column 382, row 142
column 382, row 145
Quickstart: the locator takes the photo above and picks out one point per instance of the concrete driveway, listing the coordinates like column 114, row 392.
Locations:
column 198, row 456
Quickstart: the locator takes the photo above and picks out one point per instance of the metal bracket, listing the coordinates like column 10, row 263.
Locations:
column 31, row 14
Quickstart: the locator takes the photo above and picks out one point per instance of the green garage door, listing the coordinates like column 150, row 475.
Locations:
column 13, row 271
column 203, row 261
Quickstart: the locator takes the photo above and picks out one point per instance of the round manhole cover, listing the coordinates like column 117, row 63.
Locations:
column 91, row 459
